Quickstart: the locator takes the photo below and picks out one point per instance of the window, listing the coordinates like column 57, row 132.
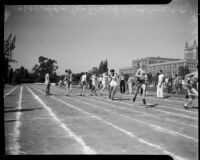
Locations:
column 170, row 66
column 174, row 66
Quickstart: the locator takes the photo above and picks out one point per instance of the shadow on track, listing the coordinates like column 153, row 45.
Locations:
column 193, row 107
column 11, row 120
column 151, row 105
column 21, row 110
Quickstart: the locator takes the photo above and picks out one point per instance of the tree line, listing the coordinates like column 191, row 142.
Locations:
column 22, row 75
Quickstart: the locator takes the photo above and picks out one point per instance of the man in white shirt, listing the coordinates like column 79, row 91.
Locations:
column 161, row 80
column 48, row 84
column 130, row 84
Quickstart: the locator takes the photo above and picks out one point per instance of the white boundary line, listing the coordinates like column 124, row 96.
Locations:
column 10, row 91
column 86, row 149
column 15, row 146
column 163, row 106
column 120, row 129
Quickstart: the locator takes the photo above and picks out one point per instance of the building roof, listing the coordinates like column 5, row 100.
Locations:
column 158, row 58
column 169, row 62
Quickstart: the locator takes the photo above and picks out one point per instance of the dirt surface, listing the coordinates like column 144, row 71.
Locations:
column 58, row 124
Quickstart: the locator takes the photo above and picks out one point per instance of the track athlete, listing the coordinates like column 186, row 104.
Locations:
column 105, row 83
column 94, row 85
column 141, row 82
column 83, row 84
column 191, row 80
column 113, row 84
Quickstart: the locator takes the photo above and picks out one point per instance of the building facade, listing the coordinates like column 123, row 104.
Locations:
column 168, row 65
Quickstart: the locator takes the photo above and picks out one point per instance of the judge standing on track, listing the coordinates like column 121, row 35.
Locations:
column 68, row 80
column 130, row 84
column 161, row 81
column 48, row 84
column 122, row 83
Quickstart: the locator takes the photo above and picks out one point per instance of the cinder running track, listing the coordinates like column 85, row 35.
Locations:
column 57, row 124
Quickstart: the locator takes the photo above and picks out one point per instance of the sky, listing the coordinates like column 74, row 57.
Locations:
column 79, row 37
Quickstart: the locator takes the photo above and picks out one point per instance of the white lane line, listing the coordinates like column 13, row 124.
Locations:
column 161, row 129
column 120, row 129
column 10, row 92
column 15, row 146
column 172, row 120
column 132, row 110
column 163, row 106
column 177, row 114
column 155, row 127
column 86, row 149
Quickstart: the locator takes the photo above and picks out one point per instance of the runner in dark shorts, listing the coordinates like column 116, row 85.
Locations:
column 140, row 82
column 191, row 80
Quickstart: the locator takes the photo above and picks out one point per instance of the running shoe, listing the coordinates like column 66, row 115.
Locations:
column 109, row 95
column 185, row 106
column 144, row 101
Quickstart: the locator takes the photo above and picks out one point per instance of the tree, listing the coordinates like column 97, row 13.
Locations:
column 11, row 75
column 183, row 70
column 21, row 75
column 68, row 70
column 103, row 66
column 45, row 65
column 95, row 70
column 9, row 46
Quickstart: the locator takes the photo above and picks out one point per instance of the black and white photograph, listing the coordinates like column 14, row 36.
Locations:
column 101, row 79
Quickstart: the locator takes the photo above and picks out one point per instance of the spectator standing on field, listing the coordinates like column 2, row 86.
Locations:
column 161, row 81
column 122, row 83
column 48, row 84
column 130, row 84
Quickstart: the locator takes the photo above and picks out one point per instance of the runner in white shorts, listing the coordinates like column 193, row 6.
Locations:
column 83, row 84
column 113, row 84
column 105, row 83
column 94, row 85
